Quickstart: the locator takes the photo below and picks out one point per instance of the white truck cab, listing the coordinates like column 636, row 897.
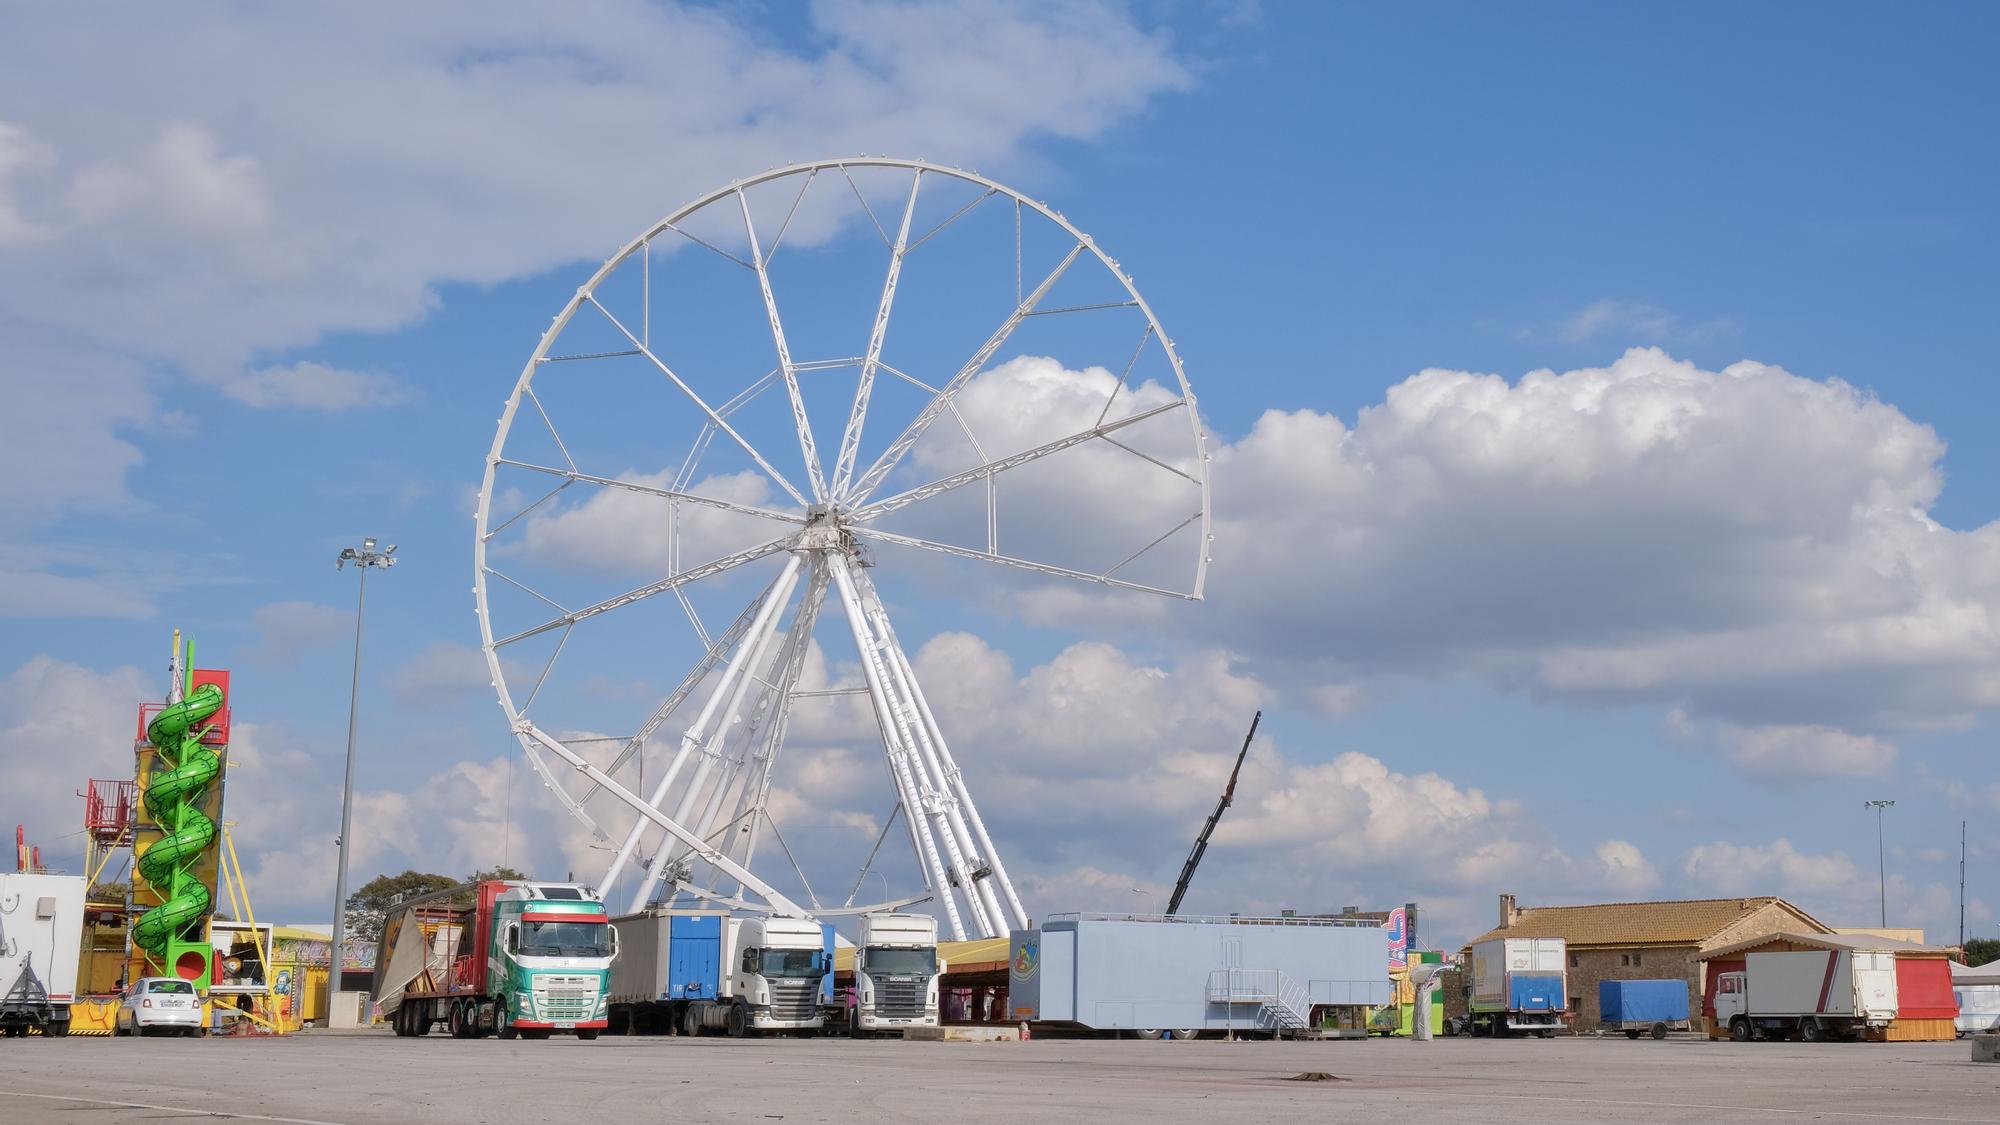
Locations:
column 896, row 973
column 773, row 972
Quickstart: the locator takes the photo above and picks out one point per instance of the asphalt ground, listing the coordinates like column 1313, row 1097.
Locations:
column 361, row 1078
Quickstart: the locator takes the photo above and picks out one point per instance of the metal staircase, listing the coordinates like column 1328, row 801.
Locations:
column 1283, row 1005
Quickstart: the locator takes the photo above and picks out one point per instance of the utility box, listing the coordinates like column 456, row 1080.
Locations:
column 1155, row 974
column 41, row 936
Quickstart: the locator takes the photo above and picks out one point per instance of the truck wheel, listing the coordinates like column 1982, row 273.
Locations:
column 1740, row 1031
column 1149, row 1033
column 534, row 1033
column 1546, row 1033
column 1183, row 1034
column 736, row 1023
column 1659, row 1031
column 1812, row 1031
column 420, row 1018
column 1631, row 1033
column 586, row 1033
column 508, row 1033
column 691, row 1020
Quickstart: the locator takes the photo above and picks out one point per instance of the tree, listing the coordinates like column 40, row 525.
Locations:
column 1980, row 951
column 369, row 907
column 500, row 872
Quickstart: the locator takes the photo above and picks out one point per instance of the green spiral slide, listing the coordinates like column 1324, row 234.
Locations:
column 181, row 774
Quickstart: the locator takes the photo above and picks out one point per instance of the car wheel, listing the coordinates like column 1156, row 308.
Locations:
column 1659, row 1031
column 1739, row 1030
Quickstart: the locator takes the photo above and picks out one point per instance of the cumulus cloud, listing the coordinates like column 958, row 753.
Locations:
column 1789, row 754
column 1727, row 868
column 61, row 723
column 315, row 386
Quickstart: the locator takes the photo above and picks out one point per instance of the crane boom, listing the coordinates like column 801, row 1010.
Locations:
column 1201, row 841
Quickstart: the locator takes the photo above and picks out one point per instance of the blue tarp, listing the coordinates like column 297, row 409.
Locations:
column 1643, row 1001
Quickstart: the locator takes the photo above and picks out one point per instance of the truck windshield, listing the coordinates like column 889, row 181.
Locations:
column 565, row 939
column 898, row 962
column 793, row 963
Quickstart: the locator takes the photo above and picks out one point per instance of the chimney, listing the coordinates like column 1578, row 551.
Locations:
column 1508, row 911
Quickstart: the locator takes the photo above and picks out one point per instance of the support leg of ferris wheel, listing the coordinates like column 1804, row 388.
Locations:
column 950, row 770
column 776, row 899
column 965, row 856
column 759, row 643
column 756, row 795
column 693, row 735
column 739, row 770
column 896, row 742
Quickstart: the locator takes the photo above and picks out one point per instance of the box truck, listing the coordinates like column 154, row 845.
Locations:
column 41, row 935
column 1816, row 994
column 693, row 971
column 895, row 973
column 1520, row 985
column 497, row 957
column 1643, row 1007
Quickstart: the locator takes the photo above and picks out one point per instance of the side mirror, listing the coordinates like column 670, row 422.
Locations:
column 614, row 940
column 514, row 938
column 753, row 961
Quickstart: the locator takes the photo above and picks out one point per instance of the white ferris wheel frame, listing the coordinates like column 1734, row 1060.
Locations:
column 962, row 868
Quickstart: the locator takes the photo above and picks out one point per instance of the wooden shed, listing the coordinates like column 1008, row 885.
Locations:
column 1925, row 1005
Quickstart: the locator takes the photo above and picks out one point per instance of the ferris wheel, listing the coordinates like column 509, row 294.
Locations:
column 1007, row 426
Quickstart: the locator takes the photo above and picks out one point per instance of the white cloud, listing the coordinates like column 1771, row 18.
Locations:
column 1624, row 323
column 158, row 216
column 444, row 673
column 60, row 724
column 1625, row 869
column 1748, row 543
column 1790, row 754
column 315, row 386
column 1773, row 868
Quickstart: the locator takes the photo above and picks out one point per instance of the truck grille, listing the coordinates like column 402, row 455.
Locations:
column 566, row 997
column 794, row 999
column 900, row 999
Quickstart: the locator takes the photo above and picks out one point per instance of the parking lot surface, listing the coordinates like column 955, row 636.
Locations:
column 361, row 1078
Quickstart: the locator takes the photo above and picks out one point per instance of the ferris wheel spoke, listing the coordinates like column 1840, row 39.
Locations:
column 915, row 430
column 955, row 216
column 699, row 241
column 799, row 417
column 779, row 239
column 571, row 476
column 1012, row 461
column 1126, row 375
column 714, row 418
column 850, row 440
column 693, row 574
column 867, row 210
column 1022, row 564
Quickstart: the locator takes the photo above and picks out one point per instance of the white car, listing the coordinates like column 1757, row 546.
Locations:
column 163, row 1005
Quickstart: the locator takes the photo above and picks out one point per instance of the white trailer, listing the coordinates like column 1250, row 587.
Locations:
column 1519, row 984
column 41, row 933
column 896, row 973
column 1816, row 994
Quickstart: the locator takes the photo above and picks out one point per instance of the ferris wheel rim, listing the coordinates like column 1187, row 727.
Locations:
column 519, row 723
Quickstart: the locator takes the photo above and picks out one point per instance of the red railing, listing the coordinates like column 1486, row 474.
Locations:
column 108, row 807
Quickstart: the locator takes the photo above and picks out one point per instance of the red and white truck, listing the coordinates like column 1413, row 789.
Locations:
column 1816, row 994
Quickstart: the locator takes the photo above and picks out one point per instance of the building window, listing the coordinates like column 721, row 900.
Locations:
column 1635, row 959
column 1575, row 960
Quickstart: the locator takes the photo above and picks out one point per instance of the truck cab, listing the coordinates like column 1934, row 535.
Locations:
column 896, row 973
column 777, row 970
column 550, row 958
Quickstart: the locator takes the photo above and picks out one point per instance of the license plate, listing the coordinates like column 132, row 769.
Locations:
column 566, row 1023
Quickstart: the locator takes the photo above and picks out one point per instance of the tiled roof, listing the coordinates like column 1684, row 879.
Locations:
column 1859, row 943
column 1687, row 922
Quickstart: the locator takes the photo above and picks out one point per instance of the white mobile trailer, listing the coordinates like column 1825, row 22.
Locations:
column 896, row 973
column 41, row 934
column 1814, row 993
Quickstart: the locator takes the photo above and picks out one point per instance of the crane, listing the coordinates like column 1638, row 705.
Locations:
column 1208, row 829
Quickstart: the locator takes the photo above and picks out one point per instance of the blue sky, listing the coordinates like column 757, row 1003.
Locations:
column 1518, row 642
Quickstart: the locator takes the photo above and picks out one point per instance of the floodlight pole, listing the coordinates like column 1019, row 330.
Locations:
column 363, row 558
column 1881, row 856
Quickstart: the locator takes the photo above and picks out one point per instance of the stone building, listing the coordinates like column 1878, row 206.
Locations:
column 1646, row 940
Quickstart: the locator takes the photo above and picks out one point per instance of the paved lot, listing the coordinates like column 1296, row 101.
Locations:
column 364, row 1078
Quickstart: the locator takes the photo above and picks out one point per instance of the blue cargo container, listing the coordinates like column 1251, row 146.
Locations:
column 1638, row 1007
column 1150, row 974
